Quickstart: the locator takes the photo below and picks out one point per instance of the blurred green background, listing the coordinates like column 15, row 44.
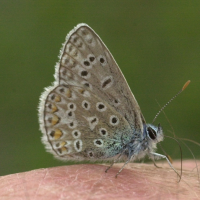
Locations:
column 155, row 43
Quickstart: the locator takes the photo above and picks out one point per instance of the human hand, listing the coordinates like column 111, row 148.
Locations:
column 89, row 181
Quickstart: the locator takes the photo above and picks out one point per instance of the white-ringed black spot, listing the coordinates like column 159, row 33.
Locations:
column 84, row 73
column 98, row 142
column 86, row 63
column 91, row 58
column 71, row 106
column 94, row 120
column 76, row 133
column 107, row 82
column 116, row 102
column 100, row 106
column 90, row 154
column 78, row 145
column 86, row 84
column 102, row 60
column 86, row 105
column 73, row 124
column 103, row 132
column 114, row 120
column 70, row 113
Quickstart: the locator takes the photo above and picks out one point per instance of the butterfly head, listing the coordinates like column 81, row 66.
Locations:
column 153, row 133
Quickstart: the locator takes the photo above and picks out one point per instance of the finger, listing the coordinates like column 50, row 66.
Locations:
column 137, row 181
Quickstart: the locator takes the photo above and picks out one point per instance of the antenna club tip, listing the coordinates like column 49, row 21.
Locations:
column 186, row 84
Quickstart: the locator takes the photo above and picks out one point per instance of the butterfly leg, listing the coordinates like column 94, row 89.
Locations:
column 163, row 156
column 155, row 164
column 113, row 162
column 110, row 166
column 122, row 168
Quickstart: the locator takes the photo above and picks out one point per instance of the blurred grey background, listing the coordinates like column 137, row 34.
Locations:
column 156, row 44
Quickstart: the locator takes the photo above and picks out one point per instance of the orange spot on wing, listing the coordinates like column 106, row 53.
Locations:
column 55, row 120
column 58, row 134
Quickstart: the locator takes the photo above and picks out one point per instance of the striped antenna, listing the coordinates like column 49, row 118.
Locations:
column 183, row 88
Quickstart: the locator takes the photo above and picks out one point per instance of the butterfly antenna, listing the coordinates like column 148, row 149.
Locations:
column 183, row 88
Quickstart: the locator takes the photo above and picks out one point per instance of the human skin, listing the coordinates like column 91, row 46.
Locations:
column 89, row 181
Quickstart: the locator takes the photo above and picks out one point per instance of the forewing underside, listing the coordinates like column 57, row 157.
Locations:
column 86, row 61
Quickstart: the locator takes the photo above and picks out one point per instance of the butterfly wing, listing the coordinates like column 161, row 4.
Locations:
column 80, row 125
column 104, row 112
column 85, row 55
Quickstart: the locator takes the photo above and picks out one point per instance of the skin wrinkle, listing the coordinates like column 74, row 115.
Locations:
column 51, row 190
column 95, row 185
column 46, row 171
column 62, row 192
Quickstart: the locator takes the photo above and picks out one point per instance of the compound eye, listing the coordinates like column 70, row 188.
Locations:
column 151, row 133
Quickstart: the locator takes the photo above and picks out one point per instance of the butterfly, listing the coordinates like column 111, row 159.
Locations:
column 90, row 113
